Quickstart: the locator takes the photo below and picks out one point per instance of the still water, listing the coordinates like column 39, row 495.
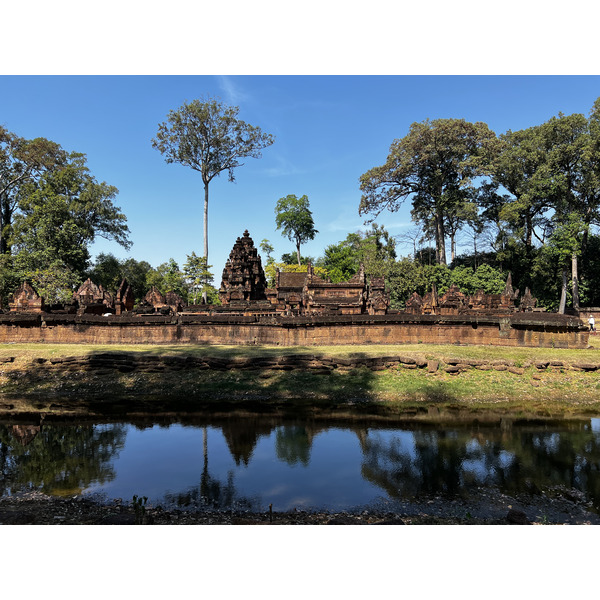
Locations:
column 249, row 462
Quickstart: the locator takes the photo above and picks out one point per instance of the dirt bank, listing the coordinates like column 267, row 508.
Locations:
column 69, row 378
column 484, row 507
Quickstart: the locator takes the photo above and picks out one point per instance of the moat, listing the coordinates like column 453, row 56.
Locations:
column 251, row 462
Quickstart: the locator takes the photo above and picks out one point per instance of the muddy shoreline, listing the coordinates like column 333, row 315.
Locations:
column 557, row 506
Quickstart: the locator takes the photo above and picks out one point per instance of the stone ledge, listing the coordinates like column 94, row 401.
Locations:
column 128, row 362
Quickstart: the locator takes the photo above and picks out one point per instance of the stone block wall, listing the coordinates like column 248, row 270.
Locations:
column 544, row 331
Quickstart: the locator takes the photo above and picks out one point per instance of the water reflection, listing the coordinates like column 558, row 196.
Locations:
column 252, row 461
column 55, row 459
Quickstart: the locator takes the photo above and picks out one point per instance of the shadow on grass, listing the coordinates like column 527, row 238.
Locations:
column 120, row 382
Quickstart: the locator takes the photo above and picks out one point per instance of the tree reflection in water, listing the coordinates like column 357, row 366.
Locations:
column 292, row 444
column 213, row 493
column 56, row 459
column 407, row 461
column 454, row 460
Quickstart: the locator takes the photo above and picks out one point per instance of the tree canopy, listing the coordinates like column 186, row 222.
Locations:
column 294, row 218
column 207, row 136
column 52, row 211
column 434, row 166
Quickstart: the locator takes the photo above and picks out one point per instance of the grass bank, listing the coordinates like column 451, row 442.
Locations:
column 559, row 388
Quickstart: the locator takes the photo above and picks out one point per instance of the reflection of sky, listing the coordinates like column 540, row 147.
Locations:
column 332, row 478
column 400, row 442
column 156, row 461
column 160, row 461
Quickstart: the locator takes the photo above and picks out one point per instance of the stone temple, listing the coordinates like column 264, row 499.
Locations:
column 301, row 309
column 244, row 289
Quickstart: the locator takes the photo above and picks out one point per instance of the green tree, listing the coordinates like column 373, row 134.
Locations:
column 167, row 277
column 434, row 166
column 198, row 277
column 136, row 273
column 484, row 278
column 521, row 168
column 340, row 260
column 63, row 214
column 290, row 258
column 207, row 136
column 22, row 162
column 106, row 271
column 556, row 256
column 374, row 248
column 574, row 190
column 404, row 278
column 294, row 218
column 267, row 248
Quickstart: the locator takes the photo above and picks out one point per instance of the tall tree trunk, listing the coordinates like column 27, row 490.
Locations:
column 440, row 238
column 204, row 294
column 529, row 230
column 5, row 219
column 563, row 294
column 575, row 281
column 452, row 247
column 298, row 251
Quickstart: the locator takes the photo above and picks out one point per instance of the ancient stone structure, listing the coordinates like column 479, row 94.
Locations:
column 124, row 299
column 26, row 299
column 25, row 434
column 378, row 300
column 155, row 302
column 302, row 309
column 542, row 330
column 93, row 299
column 455, row 302
column 243, row 289
column 243, row 276
column 326, row 298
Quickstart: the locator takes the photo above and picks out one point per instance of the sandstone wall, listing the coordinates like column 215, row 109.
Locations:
column 525, row 329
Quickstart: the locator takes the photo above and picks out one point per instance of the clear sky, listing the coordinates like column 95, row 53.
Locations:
column 328, row 131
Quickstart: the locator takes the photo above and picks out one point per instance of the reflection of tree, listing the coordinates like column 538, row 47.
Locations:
column 292, row 444
column 524, row 458
column 59, row 459
column 567, row 458
column 212, row 493
column 434, row 468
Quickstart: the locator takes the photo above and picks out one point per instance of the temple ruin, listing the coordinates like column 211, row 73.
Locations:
column 26, row 299
column 301, row 308
column 243, row 289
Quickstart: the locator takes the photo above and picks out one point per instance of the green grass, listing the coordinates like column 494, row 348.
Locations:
column 26, row 352
column 399, row 390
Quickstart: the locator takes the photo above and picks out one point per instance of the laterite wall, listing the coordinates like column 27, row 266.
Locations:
column 523, row 329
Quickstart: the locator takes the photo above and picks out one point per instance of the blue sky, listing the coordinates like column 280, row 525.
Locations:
column 328, row 131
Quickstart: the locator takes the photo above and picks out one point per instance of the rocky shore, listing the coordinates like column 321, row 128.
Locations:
column 483, row 507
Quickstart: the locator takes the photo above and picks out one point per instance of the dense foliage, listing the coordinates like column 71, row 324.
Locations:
column 52, row 210
column 528, row 200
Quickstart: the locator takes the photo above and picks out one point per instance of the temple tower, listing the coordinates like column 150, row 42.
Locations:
column 243, row 276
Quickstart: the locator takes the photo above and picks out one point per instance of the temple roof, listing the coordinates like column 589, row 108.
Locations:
column 292, row 280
